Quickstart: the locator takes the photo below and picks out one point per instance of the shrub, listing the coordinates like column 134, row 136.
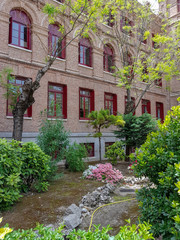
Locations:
column 35, row 169
column 157, row 159
column 10, row 170
column 74, row 157
column 22, row 168
column 103, row 172
column 115, row 152
column 133, row 134
column 53, row 139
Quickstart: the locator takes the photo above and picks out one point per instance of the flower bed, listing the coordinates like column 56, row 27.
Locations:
column 103, row 173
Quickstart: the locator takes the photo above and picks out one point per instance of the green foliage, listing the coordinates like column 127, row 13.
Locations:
column 35, row 169
column 136, row 129
column 53, row 139
column 115, row 152
column 103, row 119
column 74, row 157
column 134, row 232
column 10, row 170
column 39, row 232
column 158, row 159
column 21, row 168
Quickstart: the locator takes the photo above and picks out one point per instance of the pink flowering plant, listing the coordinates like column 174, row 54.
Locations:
column 103, row 173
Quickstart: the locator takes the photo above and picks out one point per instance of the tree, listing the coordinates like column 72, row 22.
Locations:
column 134, row 133
column 102, row 119
column 132, row 23
column 79, row 13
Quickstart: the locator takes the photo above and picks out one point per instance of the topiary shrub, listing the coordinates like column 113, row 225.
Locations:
column 115, row 152
column 35, row 169
column 75, row 155
column 10, row 170
column 157, row 159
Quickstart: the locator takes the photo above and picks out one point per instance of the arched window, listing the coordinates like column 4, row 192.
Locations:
column 19, row 29
column 85, row 52
column 56, row 45
column 108, row 58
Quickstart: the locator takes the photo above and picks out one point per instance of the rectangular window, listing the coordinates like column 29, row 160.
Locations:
column 132, row 99
column 146, row 106
column 90, row 149
column 57, row 101
column 110, row 102
column 160, row 111
column 17, row 82
column 86, row 103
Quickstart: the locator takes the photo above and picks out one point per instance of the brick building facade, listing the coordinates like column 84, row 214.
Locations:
column 76, row 84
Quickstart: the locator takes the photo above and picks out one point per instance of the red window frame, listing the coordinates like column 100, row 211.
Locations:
column 133, row 99
column 17, row 36
column 62, row 91
column 178, row 5
column 53, row 36
column 85, row 52
column 110, row 100
column 108, row 58
column 86, row 96
column 126, row 22
column 90, row 149
column 18, row 81
column 158, row 82
column 160, row 111
column 146, row 106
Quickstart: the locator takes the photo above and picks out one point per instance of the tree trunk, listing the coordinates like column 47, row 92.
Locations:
column 128, row 151
column 129, row 106
column 25, row 100
column 18, row 115
column 100, row 148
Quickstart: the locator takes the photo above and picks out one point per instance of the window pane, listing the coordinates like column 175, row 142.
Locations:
column 59, row 105
column 87, row 107
column 87, row 56
column 81, row 107
column 15, row 26
column 56, row 88
column 51, row 104
column 14, row 41
column 81, row 54
column 85, row 93
column 15, row 33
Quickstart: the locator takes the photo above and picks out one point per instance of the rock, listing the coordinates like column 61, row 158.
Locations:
column 71, row 221
column 73, row 209
column 84, row 210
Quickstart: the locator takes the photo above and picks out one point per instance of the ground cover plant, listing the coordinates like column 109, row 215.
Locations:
column 158, row 159
column 103, row 173
column 130, row 232
column 23, row 167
